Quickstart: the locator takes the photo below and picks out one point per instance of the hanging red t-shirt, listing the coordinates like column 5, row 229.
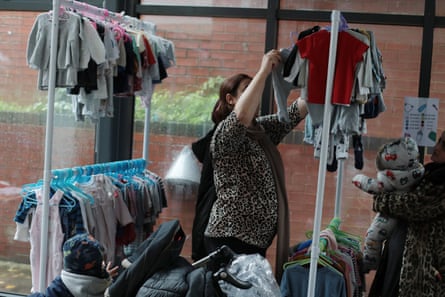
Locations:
column 315, row 48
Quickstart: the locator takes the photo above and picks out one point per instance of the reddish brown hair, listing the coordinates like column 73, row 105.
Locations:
column 229, row 86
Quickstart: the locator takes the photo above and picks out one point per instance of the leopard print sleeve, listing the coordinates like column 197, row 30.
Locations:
column 278, row 130
column 423, row 203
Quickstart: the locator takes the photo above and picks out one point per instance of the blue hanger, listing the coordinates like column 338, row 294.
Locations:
column 64, row 179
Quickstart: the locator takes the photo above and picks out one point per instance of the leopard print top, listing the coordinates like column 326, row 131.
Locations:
column 423, row 264
column 246, row 206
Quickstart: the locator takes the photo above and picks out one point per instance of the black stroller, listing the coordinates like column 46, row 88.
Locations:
column 216, row 264
column 157, row 269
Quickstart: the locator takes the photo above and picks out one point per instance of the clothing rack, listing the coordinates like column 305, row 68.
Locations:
column 116, row 202
column 315, row 249
column 122, row 19
column 48, row 174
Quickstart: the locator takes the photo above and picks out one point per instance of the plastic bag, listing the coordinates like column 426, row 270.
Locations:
column 256, row 270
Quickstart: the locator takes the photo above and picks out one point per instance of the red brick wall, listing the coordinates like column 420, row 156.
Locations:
column 17, row 81
column 22, row 162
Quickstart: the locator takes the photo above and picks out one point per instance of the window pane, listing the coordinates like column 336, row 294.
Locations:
column 22, row 141
column 209, row 47
column 380, row 6
column 440, row 8
column 211, row 3
column 207, row 51
column 437, row 81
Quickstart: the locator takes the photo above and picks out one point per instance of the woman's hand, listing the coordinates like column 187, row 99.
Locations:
column 270, row 59
column 246, row 108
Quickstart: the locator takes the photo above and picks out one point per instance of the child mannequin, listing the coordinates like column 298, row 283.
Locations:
column 398, row 170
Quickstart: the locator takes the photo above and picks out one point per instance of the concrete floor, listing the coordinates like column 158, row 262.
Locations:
column 15, row 278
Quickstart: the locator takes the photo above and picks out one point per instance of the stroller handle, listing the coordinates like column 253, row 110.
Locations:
column 218, row 261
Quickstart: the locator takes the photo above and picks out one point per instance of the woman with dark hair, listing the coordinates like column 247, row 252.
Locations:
column 251, row 199
column 230, row 89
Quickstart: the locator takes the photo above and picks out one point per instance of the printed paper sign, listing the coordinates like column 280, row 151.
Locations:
column 420, row 120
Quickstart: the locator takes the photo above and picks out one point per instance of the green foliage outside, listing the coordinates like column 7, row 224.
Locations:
column 187, row 106
column 40, row 106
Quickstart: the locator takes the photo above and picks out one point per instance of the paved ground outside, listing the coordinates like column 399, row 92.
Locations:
column 15, row 278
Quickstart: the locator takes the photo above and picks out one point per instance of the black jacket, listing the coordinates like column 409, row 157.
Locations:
column 179, row 280
column 158, row 252
column 169, row 282
column 206, row 195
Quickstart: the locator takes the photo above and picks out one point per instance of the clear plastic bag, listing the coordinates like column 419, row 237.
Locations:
column 256, row 270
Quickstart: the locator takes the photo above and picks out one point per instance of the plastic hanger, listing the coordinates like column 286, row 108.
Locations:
column 304, row 260
column 65, row 180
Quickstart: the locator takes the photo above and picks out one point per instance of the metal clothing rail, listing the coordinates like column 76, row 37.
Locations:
column 48, row 146
column 315, row 248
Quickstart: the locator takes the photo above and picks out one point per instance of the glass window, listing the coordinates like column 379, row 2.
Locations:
column 212, row 3
column 440, row 8
column 437, row 82
column 400, row 49
column 22, row 142
column 207, row 50
column 380, row 6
